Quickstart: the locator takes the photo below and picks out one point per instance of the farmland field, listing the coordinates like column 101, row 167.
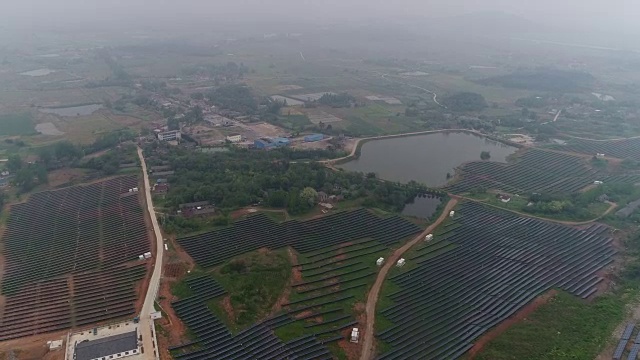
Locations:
column 16, row 124
column 487, row 265
column 534, row 171
column 66, row 254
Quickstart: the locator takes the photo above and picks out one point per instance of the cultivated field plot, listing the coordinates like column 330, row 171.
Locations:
column 534, row 171
column 311, row 97
column 214, row 341
column 66, row 253
column 317, row 116
column 212, row 248
column 495, row 263
column 622, row 149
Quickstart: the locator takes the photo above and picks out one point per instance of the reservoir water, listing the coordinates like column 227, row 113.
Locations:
column 425, row 158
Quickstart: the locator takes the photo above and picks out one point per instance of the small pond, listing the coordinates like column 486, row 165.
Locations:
column 423, row 206
column 73, row 110
column 427, row 158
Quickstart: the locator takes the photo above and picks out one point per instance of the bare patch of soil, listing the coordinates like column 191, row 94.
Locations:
column 172, row 323
column 65, row 176
column 517, row 317
column 352, row 350
column 228, row 308
column 303, row 314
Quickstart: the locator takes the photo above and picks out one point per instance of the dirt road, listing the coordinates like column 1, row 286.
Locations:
column 146, row 324
column 368, row 344
column 612, row 206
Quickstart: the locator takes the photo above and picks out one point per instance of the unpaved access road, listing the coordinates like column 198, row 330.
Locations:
column 368, row 345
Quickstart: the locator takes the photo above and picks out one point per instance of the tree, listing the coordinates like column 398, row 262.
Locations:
column 173, row 124
column 197, row 96
column 14, row 163
column 465, row 101
column 485, row 155
column 309, row 194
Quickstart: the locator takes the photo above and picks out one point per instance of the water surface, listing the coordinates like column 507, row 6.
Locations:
column 38, row 72
column 73, row 110
column 425, row 158
column 423, row 206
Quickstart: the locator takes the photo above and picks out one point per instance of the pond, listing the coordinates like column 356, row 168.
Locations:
column 423, row 206
column 38, row 72
column 425, row 158
column 73, row 110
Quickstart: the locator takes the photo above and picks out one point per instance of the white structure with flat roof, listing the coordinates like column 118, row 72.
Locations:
column 170, row 135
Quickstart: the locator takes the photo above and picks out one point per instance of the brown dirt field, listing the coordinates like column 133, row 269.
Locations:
column 517, row 317
column 34, row 347
column 266, row 129
column 172, row 323
column 181, row 254
column 228, row 308
column 64, row 176
column 174, row 271
column 352, row 350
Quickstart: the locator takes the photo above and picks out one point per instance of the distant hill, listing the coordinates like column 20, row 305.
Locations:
column 544, row 80
column 485, row 24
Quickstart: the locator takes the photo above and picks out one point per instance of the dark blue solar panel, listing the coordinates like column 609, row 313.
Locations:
column 633, row 355
column 617, row 355
column 626, row 335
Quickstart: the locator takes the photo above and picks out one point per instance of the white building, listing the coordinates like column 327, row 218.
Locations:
column 380, row 261
column 428, row 237
column 234, row 138
column 355, row 335
column 401, row 262
column 170, row 135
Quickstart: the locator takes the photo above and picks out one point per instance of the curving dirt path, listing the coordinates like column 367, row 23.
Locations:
column 368, row 344
column 612, row 206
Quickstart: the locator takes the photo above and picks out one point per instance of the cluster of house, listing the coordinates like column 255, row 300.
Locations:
column 161, row 186
column 327, row 201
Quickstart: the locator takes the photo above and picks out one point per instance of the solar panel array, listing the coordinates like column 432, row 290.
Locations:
column 214, row 341
column 213, row 248
column 624, row 339
column 66, row 257
column 499, row 263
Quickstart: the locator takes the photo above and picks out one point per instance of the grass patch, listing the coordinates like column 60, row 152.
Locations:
column 254, row 282
column 16, row 124
column 564, row 328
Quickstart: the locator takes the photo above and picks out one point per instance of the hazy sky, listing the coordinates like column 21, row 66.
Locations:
column 597, row 15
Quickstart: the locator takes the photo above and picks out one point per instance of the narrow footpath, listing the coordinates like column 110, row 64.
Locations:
column 146, row 328
column 368, row 344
